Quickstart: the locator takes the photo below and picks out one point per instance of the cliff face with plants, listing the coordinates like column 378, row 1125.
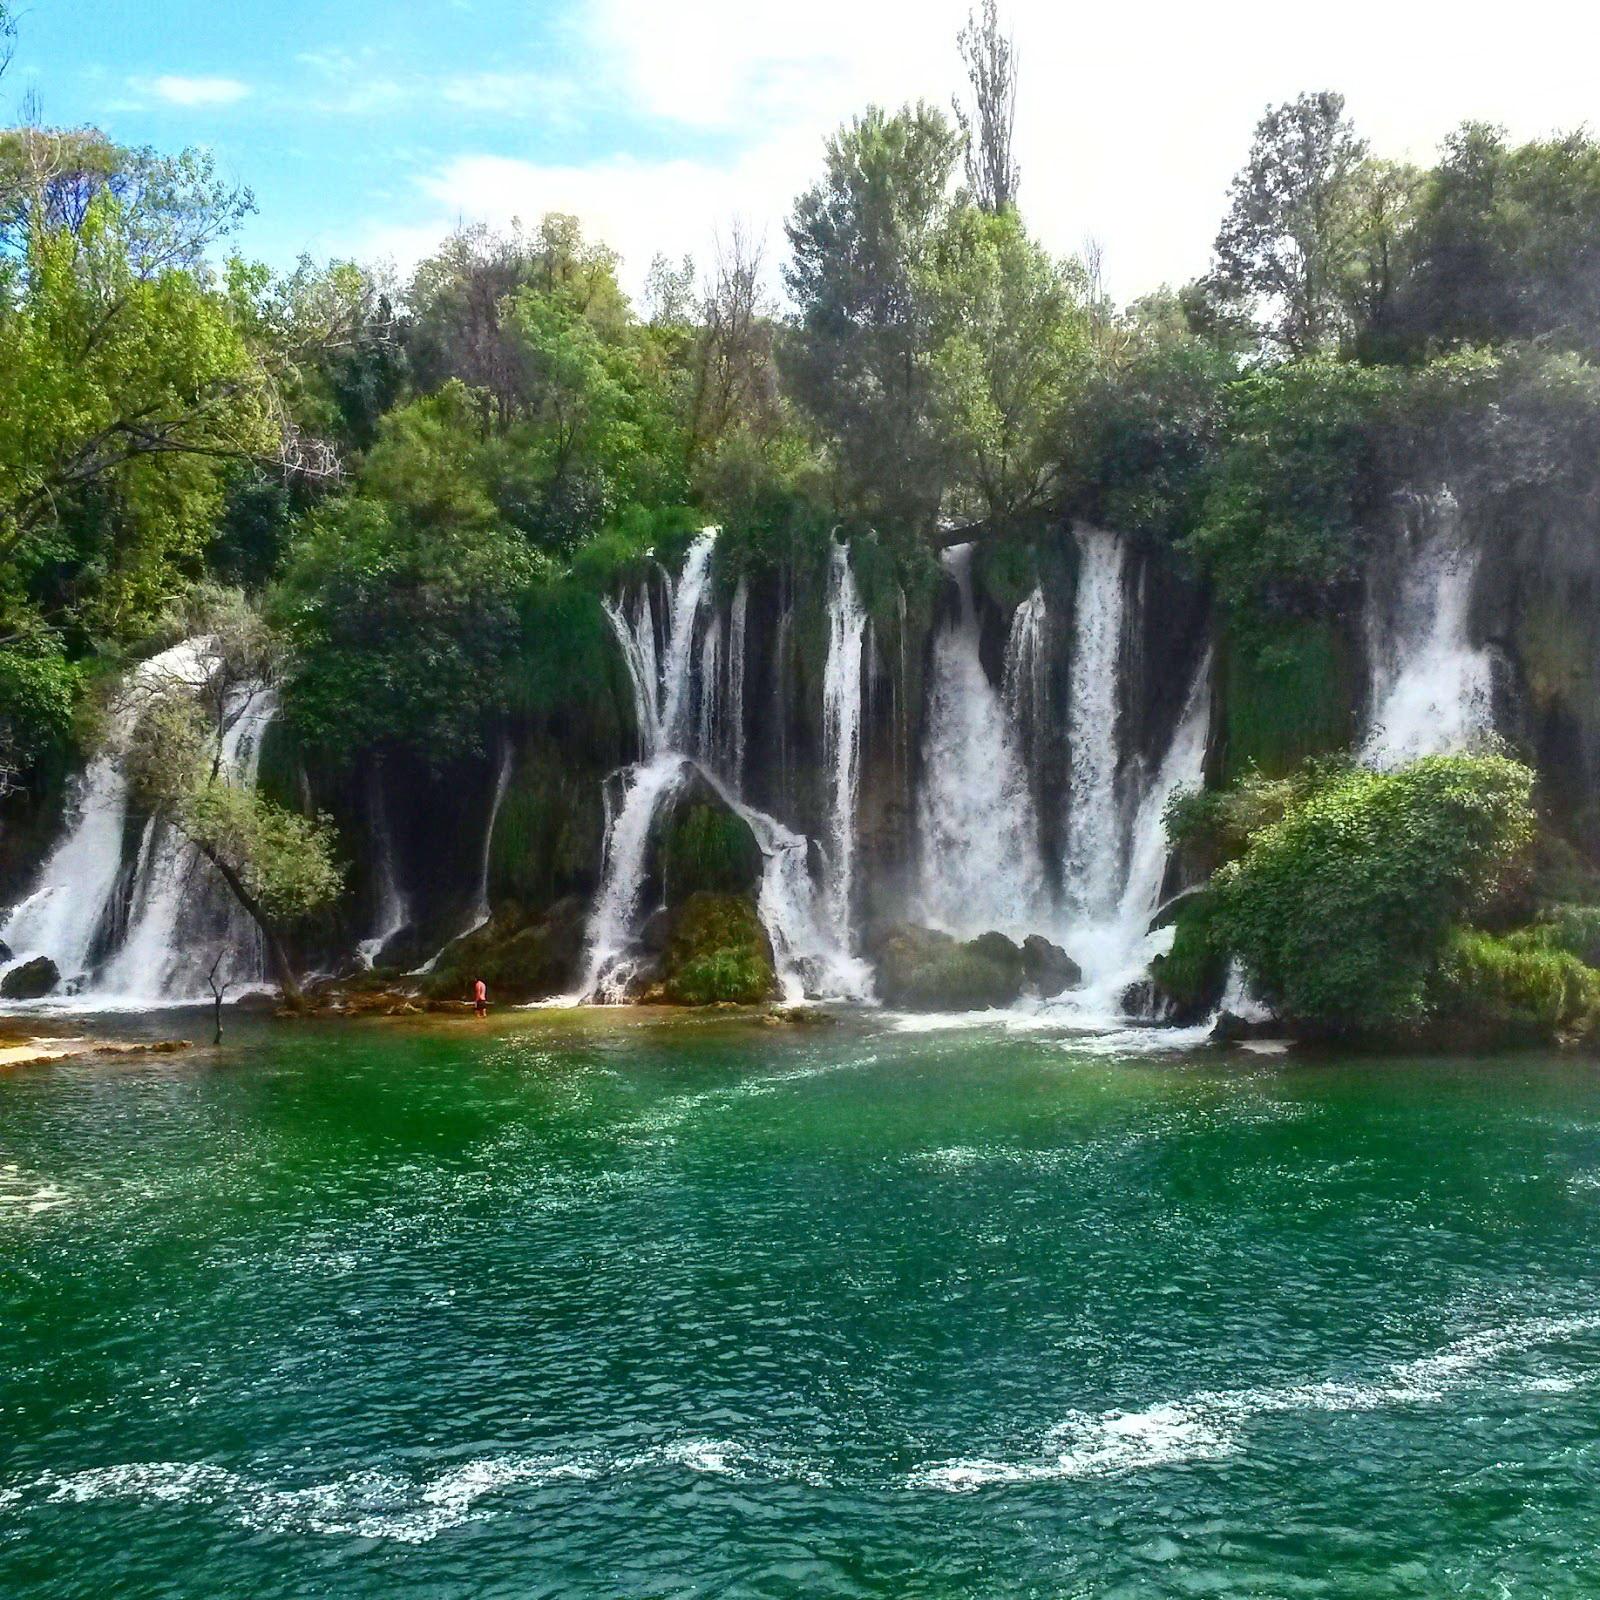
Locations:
column 938, row 629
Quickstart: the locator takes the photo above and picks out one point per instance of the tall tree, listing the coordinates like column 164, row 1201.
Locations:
column 860, row 360
column 988, row 127
column 1285, row 245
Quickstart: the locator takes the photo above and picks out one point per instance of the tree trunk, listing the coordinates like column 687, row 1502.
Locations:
column 275, row 951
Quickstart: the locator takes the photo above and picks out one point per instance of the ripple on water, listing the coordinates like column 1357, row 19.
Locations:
column 1208, row 1425
column 23, row 1194
column 373, row 1503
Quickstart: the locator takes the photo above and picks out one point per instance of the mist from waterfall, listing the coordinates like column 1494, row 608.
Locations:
column 981, row 867
column 1431, row 689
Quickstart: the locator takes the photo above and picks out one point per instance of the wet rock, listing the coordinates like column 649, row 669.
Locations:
column 518, row 956
column 921, row 969
column 1048, row 968
column 653, row 935
column 5, row 951
column 1231, row 1028
column 31, row 981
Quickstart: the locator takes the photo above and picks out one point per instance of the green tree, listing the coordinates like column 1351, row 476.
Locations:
column 1010, row 349
column 1285, row 247
column 860, row 363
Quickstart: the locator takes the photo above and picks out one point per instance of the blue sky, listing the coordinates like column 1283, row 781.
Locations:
column 369, row 128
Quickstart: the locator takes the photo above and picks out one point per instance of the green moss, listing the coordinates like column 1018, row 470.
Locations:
column 547, row 835
column 1193, row 972
column 718, row 952
column 1517, row 987
column 711, row 850
column 280, row 767
column 518, row 959
column 1288, row 693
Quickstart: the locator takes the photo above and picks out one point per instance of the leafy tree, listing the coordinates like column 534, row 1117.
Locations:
column 860, row 362
column 989, row 128
column 133, row 395
column 1341, row 910
column 1507, row 243
column 1010, row 348
column 1285, row 247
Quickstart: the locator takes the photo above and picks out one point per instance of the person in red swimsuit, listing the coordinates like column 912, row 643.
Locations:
column 480, row 998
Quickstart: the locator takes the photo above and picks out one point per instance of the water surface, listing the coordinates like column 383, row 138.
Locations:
column 616, row 1307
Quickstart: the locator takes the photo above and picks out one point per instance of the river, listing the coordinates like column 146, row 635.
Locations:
column 613, row 1304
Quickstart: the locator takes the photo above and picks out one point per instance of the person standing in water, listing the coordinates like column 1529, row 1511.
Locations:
column 480, row 998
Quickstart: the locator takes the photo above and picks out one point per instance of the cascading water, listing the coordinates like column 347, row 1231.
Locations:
column 1027, row 670
column 1093, row 858
column 1431, row 688
column 393, row 905
column 180, row 915
column 680, row 737
column 733, row 712
column 979, row 834
column 841, row 736
column 149, row 937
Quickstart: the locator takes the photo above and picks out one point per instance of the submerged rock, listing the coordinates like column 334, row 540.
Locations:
column 716, row 952
column 921, row 969
column 31, row 981
column 1048, row 968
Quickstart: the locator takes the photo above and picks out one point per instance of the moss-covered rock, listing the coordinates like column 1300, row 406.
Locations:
column 1186, row 983
column 519, row 958
column 1511, row 989
column 717, row 951
column 707, row 849
column 921, row 969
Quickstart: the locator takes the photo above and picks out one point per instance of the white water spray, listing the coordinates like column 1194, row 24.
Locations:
column 841, row 736
column 1093, row 857
column 979, row 834
column 394, row 907
column 1431, row 688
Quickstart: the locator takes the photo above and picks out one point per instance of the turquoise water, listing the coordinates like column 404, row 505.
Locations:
column 607, row 1307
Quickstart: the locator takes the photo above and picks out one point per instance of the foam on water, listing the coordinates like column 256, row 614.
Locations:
column 1210, row 1424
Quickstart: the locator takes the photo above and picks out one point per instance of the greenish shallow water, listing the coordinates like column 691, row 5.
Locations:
column 595, row 1308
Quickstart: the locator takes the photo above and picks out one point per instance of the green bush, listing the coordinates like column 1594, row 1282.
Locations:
column 1194, row 971
column 1340, row 911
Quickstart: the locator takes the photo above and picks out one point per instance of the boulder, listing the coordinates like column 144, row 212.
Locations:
column 31, row 981
column 1048, row 968
column 5, row 951
column 716, row 952
column 520, row 957
column 921, row 969
column 1231, row 1028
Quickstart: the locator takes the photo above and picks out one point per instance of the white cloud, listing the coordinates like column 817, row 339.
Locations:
column 192, row 92
column 1132, row 118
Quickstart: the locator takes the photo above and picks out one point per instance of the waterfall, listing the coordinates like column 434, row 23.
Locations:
column 841, row 735
column 394, row 909
column 733, row 713
column 614, row 921
column 481, row 909
column 1431, row 688
column 147, row 937
column 1026, row 679
column 809, row 958
column 979, row 833
column 1114, row 947
column 1092, row 865
column 180, row 912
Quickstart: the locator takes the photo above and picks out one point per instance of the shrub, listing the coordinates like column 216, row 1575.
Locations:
column 1520, row 986
column 1340, row 911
